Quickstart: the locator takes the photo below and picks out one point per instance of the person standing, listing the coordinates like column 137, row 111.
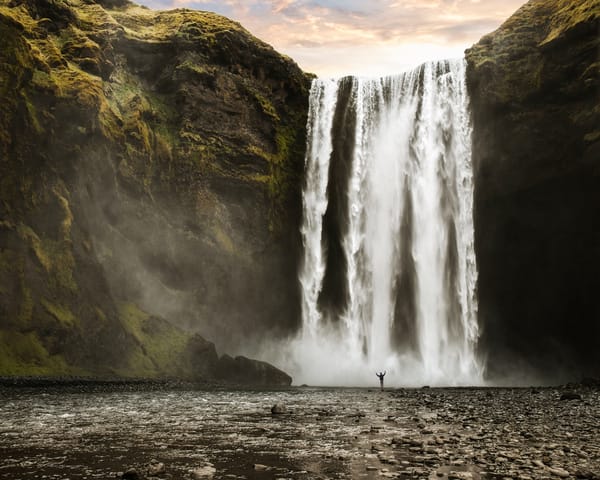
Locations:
column 381, row 375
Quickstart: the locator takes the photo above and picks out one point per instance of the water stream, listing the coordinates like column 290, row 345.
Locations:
column 389, row 273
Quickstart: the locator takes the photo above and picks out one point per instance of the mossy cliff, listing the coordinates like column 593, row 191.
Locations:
column 149, row 162
column 535, row 94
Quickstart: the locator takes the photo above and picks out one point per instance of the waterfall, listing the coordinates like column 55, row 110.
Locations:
column 388, row 275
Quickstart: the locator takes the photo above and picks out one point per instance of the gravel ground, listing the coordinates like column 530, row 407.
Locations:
column 428, row 433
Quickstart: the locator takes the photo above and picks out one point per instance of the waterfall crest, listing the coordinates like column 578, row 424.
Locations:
column 389, row 274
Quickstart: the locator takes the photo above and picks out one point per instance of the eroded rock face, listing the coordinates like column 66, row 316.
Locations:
column 534, row 86
column 151, row 167
column 245, row 371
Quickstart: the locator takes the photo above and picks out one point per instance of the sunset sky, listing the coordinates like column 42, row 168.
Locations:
column 338, row 37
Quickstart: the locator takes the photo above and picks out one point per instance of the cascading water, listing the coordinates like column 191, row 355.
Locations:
column 389, row 274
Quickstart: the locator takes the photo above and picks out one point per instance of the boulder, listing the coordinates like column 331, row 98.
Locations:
column 244, row 371
column 278, row 409
column 570, row 396
column 156, row 468
column 131, row 474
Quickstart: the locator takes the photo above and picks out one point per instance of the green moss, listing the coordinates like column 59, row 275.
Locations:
column 592, row 137
column 265, row 105
column 160, row 344
column 569, row 14
column 62, row 264
column 54, row 255
column 22, row 354
column 185, row 24
column 512, row 56
column 7, row 260
column 43, row 81
column 30, row 237
column 100, row 315
column 62, row 314
column 26, row 307
column 192, row 67
column 33, row 115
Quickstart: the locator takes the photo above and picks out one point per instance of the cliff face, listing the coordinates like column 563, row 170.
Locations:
column 150, row 167
column 535, row 93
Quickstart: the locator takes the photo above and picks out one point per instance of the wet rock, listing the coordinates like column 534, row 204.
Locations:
column 586, row 474
column 570, row 396
column 460, row 476
column 156, row 468
column 559, row 472
column 203, row 473
column 131, row 474
column 245, row 371
column 278, row 409
column 490, row 444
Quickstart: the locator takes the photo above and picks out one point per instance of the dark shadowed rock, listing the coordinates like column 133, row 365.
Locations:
column 590, row 382
column 131, row 474
column 570, row 396
column 278, row 409
column 535, row 89
column 245, row 371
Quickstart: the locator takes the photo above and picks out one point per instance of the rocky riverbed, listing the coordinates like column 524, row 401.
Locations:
column 428, row 433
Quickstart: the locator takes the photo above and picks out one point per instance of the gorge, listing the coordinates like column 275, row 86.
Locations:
column 153, row 169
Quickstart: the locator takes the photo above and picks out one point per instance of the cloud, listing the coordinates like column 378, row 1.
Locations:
column 323, row 34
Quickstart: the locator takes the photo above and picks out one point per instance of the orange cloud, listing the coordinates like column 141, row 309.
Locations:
column 334, row 37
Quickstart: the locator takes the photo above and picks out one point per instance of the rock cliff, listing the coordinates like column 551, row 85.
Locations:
column 151, row 168
column 535, row 93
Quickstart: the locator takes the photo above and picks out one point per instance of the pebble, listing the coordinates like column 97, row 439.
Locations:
column 203, row 473
column 156, row 468
column 515, row 435
column 559, row 472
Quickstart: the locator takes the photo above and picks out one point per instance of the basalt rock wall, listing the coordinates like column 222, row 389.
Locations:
column 535, row 97
column 151, row 168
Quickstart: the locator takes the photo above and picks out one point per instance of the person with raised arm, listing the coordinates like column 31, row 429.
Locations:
column 381, row 375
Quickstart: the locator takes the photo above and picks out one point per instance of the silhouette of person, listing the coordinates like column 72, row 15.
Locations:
column 381, row 375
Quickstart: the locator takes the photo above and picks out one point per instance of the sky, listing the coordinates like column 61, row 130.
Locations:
column 332, row 38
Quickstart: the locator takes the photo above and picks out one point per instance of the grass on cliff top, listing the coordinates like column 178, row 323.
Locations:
column 570, row 13
column 512, row 54
column 538, row 23
column 150, row 25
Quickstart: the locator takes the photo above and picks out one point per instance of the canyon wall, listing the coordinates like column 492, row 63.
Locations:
column 535, row 96
column 151, row 167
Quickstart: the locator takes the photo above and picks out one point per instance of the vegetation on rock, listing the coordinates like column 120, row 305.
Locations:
column 150, row 162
